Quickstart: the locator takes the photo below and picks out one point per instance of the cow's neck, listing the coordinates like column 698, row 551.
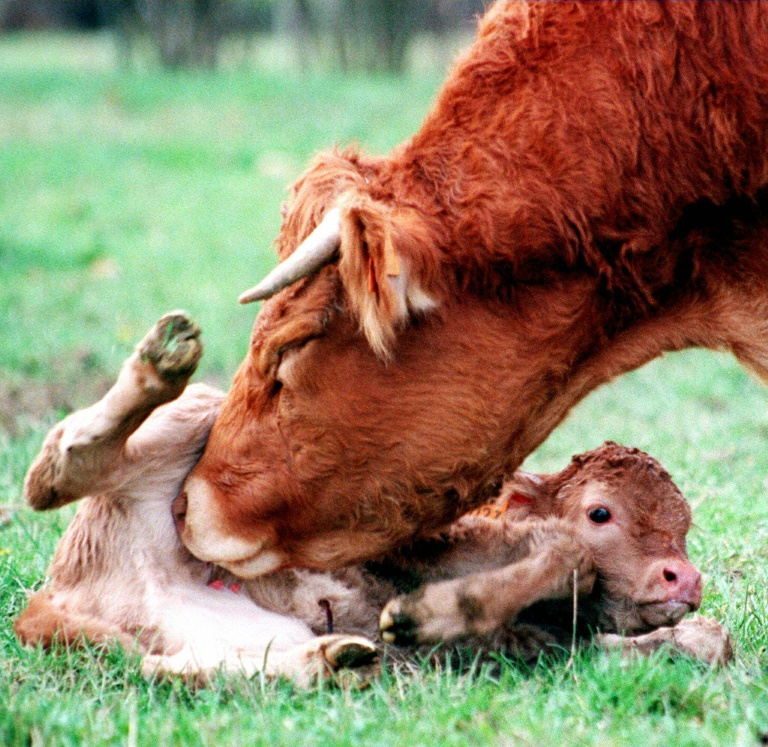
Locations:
column 593, row 352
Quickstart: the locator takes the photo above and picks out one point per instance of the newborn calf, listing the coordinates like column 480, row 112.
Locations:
column 120, row 573
column 613, row 520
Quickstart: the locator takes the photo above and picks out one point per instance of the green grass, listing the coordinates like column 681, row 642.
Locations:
column 124, row 195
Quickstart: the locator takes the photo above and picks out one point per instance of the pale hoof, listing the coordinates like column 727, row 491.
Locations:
column 347, row 661
column 349, row 652
column 172, row 346
column 396, row 625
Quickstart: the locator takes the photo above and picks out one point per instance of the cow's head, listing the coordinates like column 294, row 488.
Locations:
column 634, row 519
column 374, row 405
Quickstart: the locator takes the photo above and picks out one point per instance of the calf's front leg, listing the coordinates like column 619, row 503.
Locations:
column 700, row 637
column 480, row 603
column 83, row 454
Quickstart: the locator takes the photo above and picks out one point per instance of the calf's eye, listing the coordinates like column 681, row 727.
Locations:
column 599, row 515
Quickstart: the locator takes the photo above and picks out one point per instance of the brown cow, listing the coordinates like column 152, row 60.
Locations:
column 589, row 190
column 121, row 574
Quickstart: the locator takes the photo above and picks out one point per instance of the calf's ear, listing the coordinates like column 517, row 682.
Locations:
column 524, row 489
column 384, row 255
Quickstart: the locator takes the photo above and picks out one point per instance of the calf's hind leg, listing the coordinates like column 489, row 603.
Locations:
column 83, row 454
column 305, row 664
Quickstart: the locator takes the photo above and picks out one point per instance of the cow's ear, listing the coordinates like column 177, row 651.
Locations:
column 382, row 268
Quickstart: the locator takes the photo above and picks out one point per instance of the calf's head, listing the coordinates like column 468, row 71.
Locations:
column 634, row 519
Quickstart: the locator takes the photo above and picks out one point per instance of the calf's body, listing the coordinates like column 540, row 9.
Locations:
column 120, row 572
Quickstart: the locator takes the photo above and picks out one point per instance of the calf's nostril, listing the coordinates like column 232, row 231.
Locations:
column 669, row 575
column 681, row 582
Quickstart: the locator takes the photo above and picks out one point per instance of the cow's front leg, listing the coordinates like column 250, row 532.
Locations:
column 82, row 454
column 480, row 603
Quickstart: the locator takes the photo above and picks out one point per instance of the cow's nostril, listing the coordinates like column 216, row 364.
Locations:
column 179, row 509
column 669, row 575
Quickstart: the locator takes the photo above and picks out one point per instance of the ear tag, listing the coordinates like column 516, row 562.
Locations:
column 496, row 509
column 373, row 286
column 487, row 511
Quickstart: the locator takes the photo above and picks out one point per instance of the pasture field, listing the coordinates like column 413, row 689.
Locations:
column 124, row 195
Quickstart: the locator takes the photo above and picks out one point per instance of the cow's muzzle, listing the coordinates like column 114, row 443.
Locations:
column 211, row 537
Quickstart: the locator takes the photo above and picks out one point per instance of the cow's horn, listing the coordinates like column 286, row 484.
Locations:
column 314, row 252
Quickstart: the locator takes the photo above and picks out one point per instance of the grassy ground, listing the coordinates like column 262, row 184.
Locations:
column 125, row 195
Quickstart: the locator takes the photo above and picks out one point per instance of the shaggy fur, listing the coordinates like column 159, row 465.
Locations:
column 589, row 190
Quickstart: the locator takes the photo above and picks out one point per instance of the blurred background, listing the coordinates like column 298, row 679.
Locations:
column 350, row 35
column 145, row 148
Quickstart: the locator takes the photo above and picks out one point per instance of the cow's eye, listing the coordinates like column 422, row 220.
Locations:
column 284, row 365
column 599, row 515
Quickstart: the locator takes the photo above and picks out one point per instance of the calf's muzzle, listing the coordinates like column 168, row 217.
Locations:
column 674, row 589
column 681, row 582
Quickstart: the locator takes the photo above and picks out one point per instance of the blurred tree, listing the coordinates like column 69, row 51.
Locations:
column 185, row 33
column 16, row 15
column 349, row 34
column 369, row 34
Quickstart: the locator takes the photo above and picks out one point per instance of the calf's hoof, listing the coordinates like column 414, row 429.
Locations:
column 396, row 625
column 438, row 612
column 701, row 638
column 349, row 661
column 172, row 347
column 347, row 651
